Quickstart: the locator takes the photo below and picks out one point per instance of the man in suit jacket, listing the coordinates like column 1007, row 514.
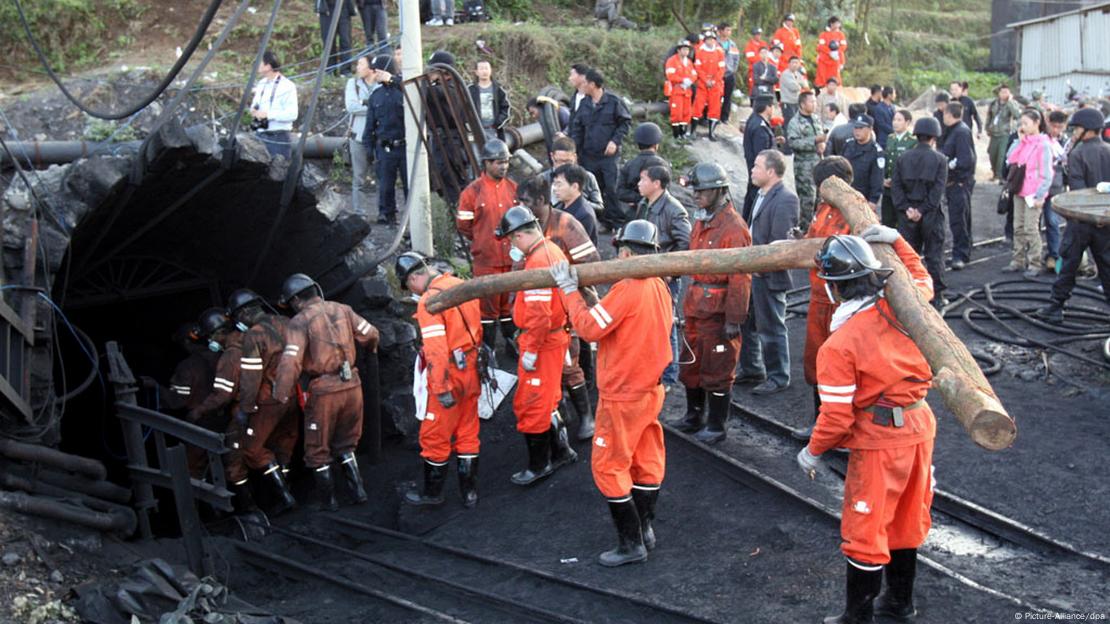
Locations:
column 765, row 350
column 758, row 136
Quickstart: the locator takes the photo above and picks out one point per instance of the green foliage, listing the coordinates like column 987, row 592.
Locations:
column 444, row 234
column 72, row 33
column 514, row 10
column 102, row 130
column 340, row 170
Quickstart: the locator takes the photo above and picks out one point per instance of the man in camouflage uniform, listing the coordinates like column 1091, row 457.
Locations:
column 807, row 140
column 1003, row 117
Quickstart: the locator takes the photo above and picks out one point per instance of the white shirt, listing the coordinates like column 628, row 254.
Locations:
column 277, row 97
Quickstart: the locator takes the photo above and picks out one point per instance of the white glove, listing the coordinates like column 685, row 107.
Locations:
column 952, row 163
column 876, row 233
column 808, row 462
column 566, row 278
column 528, row 361
column 686, row 83
column 835, row 55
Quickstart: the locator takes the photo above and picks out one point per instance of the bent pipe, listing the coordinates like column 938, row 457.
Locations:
column 35, row 506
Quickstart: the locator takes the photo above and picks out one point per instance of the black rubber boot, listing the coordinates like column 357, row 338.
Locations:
column 276, row 478
column 435, row 475
column 353, row 477
column 630, row 547
column 713, row 129
column 692, row 131
column 561, row 451
column 243, row 501
column 714, row 430
column 508, row 332
column 861, row 588
column 539, row 459
column 645, row 496
column 580, row 399
column 896, row 602
column 325, row 489
column 468, row 479
column 1053, row 312
column 695, row 411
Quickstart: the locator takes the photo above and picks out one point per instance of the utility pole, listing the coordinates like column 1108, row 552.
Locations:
column 412, row 65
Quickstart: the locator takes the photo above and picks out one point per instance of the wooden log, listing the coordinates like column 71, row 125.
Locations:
column 758, row 259
column 962, row 385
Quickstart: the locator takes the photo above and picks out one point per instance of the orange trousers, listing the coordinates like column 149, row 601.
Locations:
column 817, row 332
column 628, row 444
column 887, row 496
column 681, row 107
column 442, row 423
column 332, row 425
column 494, row 307
column 711, row 97
column 538, row 392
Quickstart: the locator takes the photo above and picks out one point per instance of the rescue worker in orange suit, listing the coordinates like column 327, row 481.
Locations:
column 541, row 315
column 790, row 39
column 191, row 380
column 709, row 63
column 678, row 88
column 751, row 54
column 568, row 234
column 715, row 307
column 873, row 381
column 214, row 411
column 451, row 341
column 269, row 426
column 320, row 343
column 481, row 206
column 826, row 222
column 632, row 326
column 832, row 45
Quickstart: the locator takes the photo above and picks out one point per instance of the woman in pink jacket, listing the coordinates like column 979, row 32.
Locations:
column 1034, row 150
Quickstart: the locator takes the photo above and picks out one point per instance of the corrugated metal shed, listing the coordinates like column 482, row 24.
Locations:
column 1066, row 51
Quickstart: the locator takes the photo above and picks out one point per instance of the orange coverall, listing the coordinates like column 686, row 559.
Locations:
column 751, row 57
column 710, row 67
column 458, row 328
column 566, row 232
column 320, row 338
column 214, row 411
column 791, row 41
column 541, row 315
column 481, row 206
column 677, row 70
column 272, row 425
column 827, row 66
column 710, row 302
column 632, row 326
column 888, row 490
column 827, row 222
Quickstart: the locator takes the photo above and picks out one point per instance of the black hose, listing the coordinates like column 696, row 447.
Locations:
column 186, row 53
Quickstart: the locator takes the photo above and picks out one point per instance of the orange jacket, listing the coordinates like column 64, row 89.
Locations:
column 262, row 348
column 715, row 295
column 826, row 222
column 678, row 69
column 318, row 340
column 541, row 313
column 751, row 53
column 455, row 328
column 567, row 232
column 869, row 361
column 481, row 206
column 827, row 66
column 791, row 41
column 632, row 326
column 710, row 65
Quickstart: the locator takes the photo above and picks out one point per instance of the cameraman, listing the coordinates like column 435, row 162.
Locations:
column 274, row 108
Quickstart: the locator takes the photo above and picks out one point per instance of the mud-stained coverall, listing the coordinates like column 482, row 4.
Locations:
column 827, row 222
column 869, row 362
column 541, row 315
column 481, row 206
column 319, row 339
column 567, row 232
column 632, row 326
column 710, row 66
column 679, row 69
column 271, row 431
column 458, row 328
column 190, row 385
column 710, row 302
column 215, row 411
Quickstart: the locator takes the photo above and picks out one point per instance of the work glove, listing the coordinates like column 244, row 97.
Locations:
column 686, row 83
column 876, row 233
column 241, row 418
column 835, row 55
column 446, row 399
column 566, row 278
column 952, row 163
column 732, row 330
column 528, row 361
column 808, row 462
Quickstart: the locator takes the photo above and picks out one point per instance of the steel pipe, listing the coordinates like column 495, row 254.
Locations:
column 35, row 506
column 51, row 457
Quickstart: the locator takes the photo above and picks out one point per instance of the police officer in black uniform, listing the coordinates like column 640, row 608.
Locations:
column 647, row 137
column 866, row 156
column 384, row 136
column 598, row 129
column 959, row 149
column 1088, row 164
column 916, row 188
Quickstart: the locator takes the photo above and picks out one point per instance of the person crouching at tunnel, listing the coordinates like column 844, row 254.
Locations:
column 873, row 381
column 269, row 427
column 715, row 308
column 451, row 342
column 632, row 326
column 541, row 315
column 214, row 412
column 320, row 342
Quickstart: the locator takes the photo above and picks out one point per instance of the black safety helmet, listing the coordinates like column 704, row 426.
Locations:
column 1088, row 119
column 186, row 332
column 408, row 263
column 296, row 284
column 240, row 299
column 707, row 175
column 639, row 233
column 757, row 31
column 442, row 57
column 211, row 321
column 926, row 126
column 845, row 257
column 789, row 17
column 647, row 133
column 834, row 45
column 495, row 149
column 384, row 62
column 514, row 219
